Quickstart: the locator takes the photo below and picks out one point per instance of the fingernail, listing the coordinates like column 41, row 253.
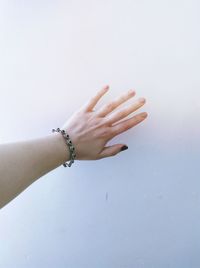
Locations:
column 142, row 100
column 131, row 91
column 144, row 115
column 124, row 148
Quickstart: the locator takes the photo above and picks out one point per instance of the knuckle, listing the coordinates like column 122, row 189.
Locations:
column 115, row 131
column 105, row 132
column 104, row 122
column 127, row 126
column 92, row 99
column 121, row 128
column 137, row 119
column 99, row 123
column 110, row 105
column 121, row 113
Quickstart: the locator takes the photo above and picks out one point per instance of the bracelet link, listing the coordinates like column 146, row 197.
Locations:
column 70, row 145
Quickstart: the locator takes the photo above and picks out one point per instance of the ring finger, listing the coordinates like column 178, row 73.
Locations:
column 117, row 116
column 108, row 108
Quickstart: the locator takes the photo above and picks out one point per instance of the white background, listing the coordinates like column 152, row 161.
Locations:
column 140, row 208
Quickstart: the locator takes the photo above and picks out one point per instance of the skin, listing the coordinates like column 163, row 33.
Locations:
column 24, row 162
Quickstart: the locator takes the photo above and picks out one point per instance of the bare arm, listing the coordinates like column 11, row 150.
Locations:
column 23, row 162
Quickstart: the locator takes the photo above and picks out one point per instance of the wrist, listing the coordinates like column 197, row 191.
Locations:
column 61, row 150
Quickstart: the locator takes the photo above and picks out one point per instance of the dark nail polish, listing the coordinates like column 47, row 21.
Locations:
column 124, row 148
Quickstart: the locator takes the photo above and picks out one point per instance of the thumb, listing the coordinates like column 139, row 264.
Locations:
column 112, row 150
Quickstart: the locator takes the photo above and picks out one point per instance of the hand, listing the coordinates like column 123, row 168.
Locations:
column 90, row 130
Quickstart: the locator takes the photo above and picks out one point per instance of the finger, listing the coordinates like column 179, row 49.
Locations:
column 129, row 123
column 93, row 101
column 111, row 150
column 106, row 109
column 125, row 112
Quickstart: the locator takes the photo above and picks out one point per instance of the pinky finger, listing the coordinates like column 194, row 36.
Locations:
column 128, row 123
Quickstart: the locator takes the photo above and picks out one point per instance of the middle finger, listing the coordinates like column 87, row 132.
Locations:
column 125, row 112
column 108, row 108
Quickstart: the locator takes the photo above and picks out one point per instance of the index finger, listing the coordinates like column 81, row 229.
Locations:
column 93, row 101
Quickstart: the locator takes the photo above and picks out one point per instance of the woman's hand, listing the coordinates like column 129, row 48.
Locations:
column 25, row 161
column 90, row 130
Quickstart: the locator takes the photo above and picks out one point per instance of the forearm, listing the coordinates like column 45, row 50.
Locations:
column 23, row 162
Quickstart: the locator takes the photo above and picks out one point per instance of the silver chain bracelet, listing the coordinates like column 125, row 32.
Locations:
column 70, row 145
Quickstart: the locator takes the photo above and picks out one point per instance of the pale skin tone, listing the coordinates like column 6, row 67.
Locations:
column 23, row 162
